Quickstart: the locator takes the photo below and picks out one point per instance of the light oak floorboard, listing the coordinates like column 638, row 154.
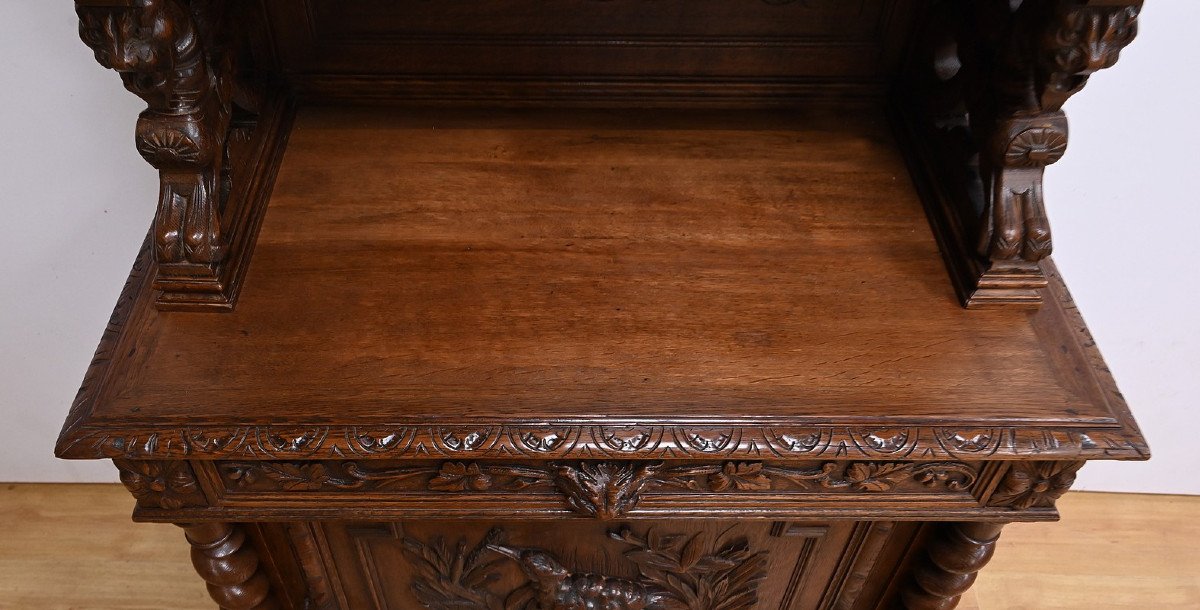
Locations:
column 1111, row 551
column 74, row 547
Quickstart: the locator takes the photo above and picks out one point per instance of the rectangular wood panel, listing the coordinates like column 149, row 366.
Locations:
column 443, row 565
column 524, row 50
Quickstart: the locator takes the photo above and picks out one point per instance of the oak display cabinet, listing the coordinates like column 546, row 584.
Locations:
column 573, row 304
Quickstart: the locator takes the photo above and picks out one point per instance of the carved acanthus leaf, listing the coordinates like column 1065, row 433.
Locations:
column 1035, row 484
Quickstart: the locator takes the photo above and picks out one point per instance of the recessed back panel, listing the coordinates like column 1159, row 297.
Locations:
column 709, row 52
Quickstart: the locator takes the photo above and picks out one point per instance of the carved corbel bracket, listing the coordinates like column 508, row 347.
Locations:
column 215, row 144
column 1017, row 228
column 983, row 119
column 165, row 485
column 1029, row 485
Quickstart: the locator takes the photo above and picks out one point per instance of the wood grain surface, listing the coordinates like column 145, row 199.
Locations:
column 584, row 266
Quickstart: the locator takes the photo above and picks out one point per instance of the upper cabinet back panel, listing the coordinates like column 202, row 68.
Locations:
column 592, row 51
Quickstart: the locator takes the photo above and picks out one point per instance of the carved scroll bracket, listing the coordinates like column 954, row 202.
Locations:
column 987, row 104
column 209, row 137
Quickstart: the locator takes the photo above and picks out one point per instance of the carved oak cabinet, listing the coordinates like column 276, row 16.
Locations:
column 625, row 305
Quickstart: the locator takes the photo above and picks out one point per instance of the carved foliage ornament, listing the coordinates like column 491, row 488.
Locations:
column 1035, row 484
column 675, row 571
column 604, row 490
column 593, row 442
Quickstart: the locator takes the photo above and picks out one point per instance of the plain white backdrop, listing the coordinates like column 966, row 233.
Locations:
column 76, row 200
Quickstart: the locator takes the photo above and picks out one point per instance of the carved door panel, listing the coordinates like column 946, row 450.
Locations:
column 639, row 565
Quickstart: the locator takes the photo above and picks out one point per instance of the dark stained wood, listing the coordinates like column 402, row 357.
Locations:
column 527, row 52
column 981, row 109
column 499, row 351
column 955, row 553
column 215, row 136
column 230, row 566
column 650, row 562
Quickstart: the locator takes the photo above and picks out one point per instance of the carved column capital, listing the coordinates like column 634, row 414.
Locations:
column 156, row 47
column 1046, row 58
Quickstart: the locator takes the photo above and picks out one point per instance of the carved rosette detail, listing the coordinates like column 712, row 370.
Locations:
column 1036, row 147
column 166, row 485
column 1035, row 484
column 674, row 571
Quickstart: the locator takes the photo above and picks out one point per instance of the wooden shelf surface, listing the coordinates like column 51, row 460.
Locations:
column 450, row 267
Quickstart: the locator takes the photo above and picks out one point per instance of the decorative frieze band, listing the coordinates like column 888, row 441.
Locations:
column 602, row 489
column 598, row 442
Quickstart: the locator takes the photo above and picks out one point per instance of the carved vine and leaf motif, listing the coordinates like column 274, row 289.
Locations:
column 1035, row 484
column 458, row 577
column 694, row 573
column 674, row 572
column 604, row 489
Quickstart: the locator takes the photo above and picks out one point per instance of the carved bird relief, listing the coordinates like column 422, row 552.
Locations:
column 553, row 587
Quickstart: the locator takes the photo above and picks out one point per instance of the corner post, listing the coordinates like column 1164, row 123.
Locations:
column 983, row 117
column 229, row 565
column 953, row 557
column 178, row 56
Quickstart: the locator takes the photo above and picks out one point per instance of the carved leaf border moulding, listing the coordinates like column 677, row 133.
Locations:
column 597, row 442
column 604, row 490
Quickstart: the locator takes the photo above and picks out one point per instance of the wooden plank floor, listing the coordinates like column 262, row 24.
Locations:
column 73, row 547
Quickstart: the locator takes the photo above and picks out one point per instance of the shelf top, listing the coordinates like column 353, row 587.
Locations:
column 589, row 284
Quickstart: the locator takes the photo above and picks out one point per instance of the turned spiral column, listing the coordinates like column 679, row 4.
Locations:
column 229, row 566
column 953, row 557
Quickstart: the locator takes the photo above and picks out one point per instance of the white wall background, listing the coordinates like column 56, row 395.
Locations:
column 75, row 201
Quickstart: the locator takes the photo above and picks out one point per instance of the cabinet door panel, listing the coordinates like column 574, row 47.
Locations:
column 641, row 565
